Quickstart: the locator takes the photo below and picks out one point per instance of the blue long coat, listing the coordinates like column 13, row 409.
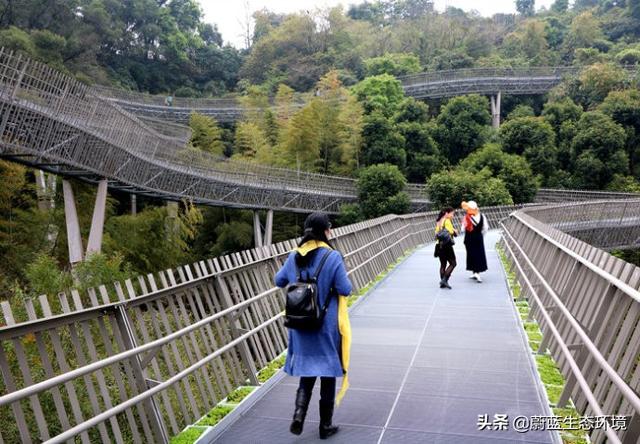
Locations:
column 317, row 353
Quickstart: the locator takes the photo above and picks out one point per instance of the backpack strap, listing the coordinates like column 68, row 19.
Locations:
column 317, row 273
column 319, row 269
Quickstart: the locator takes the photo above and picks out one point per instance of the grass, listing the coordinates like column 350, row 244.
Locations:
column 271, row 369
column 188, row 436
column 550, row 375
column 215, row 415
column 239, row 394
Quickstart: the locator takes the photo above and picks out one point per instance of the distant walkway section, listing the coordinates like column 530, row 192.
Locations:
column 426, row 364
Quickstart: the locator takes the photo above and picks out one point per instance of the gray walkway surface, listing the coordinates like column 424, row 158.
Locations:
column 425, row 363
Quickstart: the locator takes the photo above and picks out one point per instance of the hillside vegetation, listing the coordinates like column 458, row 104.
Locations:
column 583, row 134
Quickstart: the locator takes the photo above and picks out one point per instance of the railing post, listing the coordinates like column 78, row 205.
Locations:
column 257, row 230
column 23, row 71
column 236, row 330
column 125, row 329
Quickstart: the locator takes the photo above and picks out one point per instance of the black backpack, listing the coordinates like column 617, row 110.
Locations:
column 302, row 309
column 444, row 237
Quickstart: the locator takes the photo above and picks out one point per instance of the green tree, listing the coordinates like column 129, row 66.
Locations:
column 100, row 269
column 205, row 134
column 525, row 7
column 511, row 169
column 450, row 188
column 529, row 42
column 151, row 240
column 382, row 94
column 423, row 156
column 624, row 108
column 598, row 150
column 534, row 138
column 382, row 142
column 300, row 142
column 44, row 277
column 462, row 126
column 393, row 64
column 521, row 110
column 624, row 184
column 629, row 56
column 351, row 119
column 560, row 6
column 521, row 133
column 597, row 81
column 381, row 191
column 231, row 237
column 251, row 142
column 563, row 115
column 634, row 8
column 349, row 214
column 583, row 32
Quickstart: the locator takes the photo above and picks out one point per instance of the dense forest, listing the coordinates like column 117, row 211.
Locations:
column 355, row 120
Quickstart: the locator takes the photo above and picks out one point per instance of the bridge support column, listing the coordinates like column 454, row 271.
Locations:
column 262, row 238
column 97, row 222
column 257, row 230
column 268, row 229
column 495, row 110
column 134, row 204
column 74, row 240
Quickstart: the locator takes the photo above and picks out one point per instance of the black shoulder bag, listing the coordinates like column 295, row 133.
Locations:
column 302, row 309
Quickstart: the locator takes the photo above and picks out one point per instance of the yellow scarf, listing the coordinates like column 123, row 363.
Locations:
column 344, row 325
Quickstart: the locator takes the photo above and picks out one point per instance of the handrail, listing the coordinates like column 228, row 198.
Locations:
column 561, row 273
column 97, row 365
column 629, row 394
column 632, row 292
column 34, row 389
column 86, row 425
column 565, row 350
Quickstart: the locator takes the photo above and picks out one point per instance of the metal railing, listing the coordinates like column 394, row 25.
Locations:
column 52, row 121
column 560, row 195
column 587, row 304
column 139, row 360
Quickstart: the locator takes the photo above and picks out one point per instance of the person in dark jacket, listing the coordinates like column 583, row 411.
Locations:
column 475, row 226
column 318, row 353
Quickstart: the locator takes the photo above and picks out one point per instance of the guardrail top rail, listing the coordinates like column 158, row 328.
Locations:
column 140, row 364
column 587, row 304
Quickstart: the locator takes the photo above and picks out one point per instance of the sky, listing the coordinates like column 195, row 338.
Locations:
column 230, row 15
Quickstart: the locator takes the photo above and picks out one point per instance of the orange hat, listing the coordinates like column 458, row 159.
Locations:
column 470, row 207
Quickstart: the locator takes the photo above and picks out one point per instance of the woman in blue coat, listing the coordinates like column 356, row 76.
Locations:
column 317, row 352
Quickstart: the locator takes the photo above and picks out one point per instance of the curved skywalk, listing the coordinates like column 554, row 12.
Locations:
column 425, row 363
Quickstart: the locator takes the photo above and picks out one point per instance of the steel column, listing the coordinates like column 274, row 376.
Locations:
column 74, row 240
column 257, row 230
column 495, row 110
column 97, row 222
column 268, row 229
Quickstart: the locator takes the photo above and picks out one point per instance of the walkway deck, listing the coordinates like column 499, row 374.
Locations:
column 425, row 363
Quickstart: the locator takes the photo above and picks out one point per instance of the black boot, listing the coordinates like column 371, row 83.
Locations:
column 302, row 403
column 326, row 416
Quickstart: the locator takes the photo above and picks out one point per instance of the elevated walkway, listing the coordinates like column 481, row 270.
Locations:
column 425, row 363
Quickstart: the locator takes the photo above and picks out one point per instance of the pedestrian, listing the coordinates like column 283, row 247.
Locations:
column 323, row 352
column 444, row 245
column 168, row 101
column 474, row 225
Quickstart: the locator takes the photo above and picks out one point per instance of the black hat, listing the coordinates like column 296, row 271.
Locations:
column 317, row 223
